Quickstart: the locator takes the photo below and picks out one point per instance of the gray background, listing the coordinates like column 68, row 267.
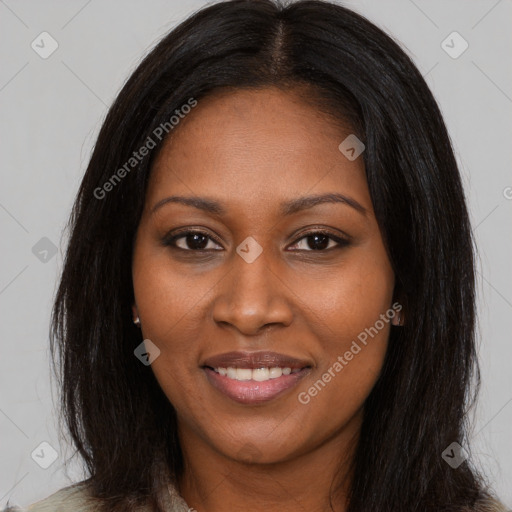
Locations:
column 52, row 109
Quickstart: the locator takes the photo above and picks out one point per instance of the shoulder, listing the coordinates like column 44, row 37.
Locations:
column 489, row 505
column 74, row 498
column 77, row 498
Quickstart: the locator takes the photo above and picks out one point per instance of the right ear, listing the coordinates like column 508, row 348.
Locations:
column 135, row 313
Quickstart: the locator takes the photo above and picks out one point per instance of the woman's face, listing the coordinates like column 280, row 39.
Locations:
column 288, row 292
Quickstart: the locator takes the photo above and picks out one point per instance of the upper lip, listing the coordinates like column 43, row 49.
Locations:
column 262, row 359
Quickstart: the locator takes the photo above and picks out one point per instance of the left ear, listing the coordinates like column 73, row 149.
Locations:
column 398, row 318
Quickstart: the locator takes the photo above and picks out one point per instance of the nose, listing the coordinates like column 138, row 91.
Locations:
column 252, row 296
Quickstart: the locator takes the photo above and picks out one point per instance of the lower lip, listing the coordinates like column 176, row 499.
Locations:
column 251, row 391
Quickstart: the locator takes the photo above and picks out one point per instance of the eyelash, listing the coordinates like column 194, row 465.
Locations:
column 170, row 241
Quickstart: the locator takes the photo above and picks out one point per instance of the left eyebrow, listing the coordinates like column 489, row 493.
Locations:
column 303, row 203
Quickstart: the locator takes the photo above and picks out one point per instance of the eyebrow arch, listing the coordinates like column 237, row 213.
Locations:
column 303, row 203
column 287, row 208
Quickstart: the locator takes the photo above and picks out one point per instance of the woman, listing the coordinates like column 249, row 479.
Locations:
column 268, row 297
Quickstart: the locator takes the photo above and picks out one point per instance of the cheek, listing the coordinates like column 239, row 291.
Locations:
column 353, row 318
column 168, row 298
column 169, row 305
column 349, row 298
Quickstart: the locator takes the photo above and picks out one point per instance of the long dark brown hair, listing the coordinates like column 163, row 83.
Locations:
column 120, row 421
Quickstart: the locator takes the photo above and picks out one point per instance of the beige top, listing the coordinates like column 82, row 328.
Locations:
column 75, row 498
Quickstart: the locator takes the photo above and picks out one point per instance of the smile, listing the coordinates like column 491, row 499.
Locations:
column 254, row 386
column 254, row 377
column 257, row 374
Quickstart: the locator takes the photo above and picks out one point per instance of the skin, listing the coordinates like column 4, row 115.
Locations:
column 251, row 150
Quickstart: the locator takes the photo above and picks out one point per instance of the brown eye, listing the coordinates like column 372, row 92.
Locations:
column 320, row 241
column 191, row 241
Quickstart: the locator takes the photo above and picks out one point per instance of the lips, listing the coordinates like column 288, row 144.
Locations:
column 255, row 360
column 254, row 377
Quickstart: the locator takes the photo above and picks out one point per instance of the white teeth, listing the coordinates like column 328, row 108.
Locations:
column 257, row 374
column 243, row 374
column 260, row 374
column 275, row 372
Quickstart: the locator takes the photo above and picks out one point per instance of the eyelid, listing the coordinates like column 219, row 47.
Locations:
column 169, row 240
column 335, row 234
column 341, row 240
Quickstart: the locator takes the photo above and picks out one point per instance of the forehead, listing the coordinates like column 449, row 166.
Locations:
column 256, row 144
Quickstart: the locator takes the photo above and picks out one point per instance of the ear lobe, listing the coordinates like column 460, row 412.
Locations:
column 135, row 313
column 398, row 318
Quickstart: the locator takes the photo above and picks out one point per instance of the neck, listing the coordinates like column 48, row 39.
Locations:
column 213, row 482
